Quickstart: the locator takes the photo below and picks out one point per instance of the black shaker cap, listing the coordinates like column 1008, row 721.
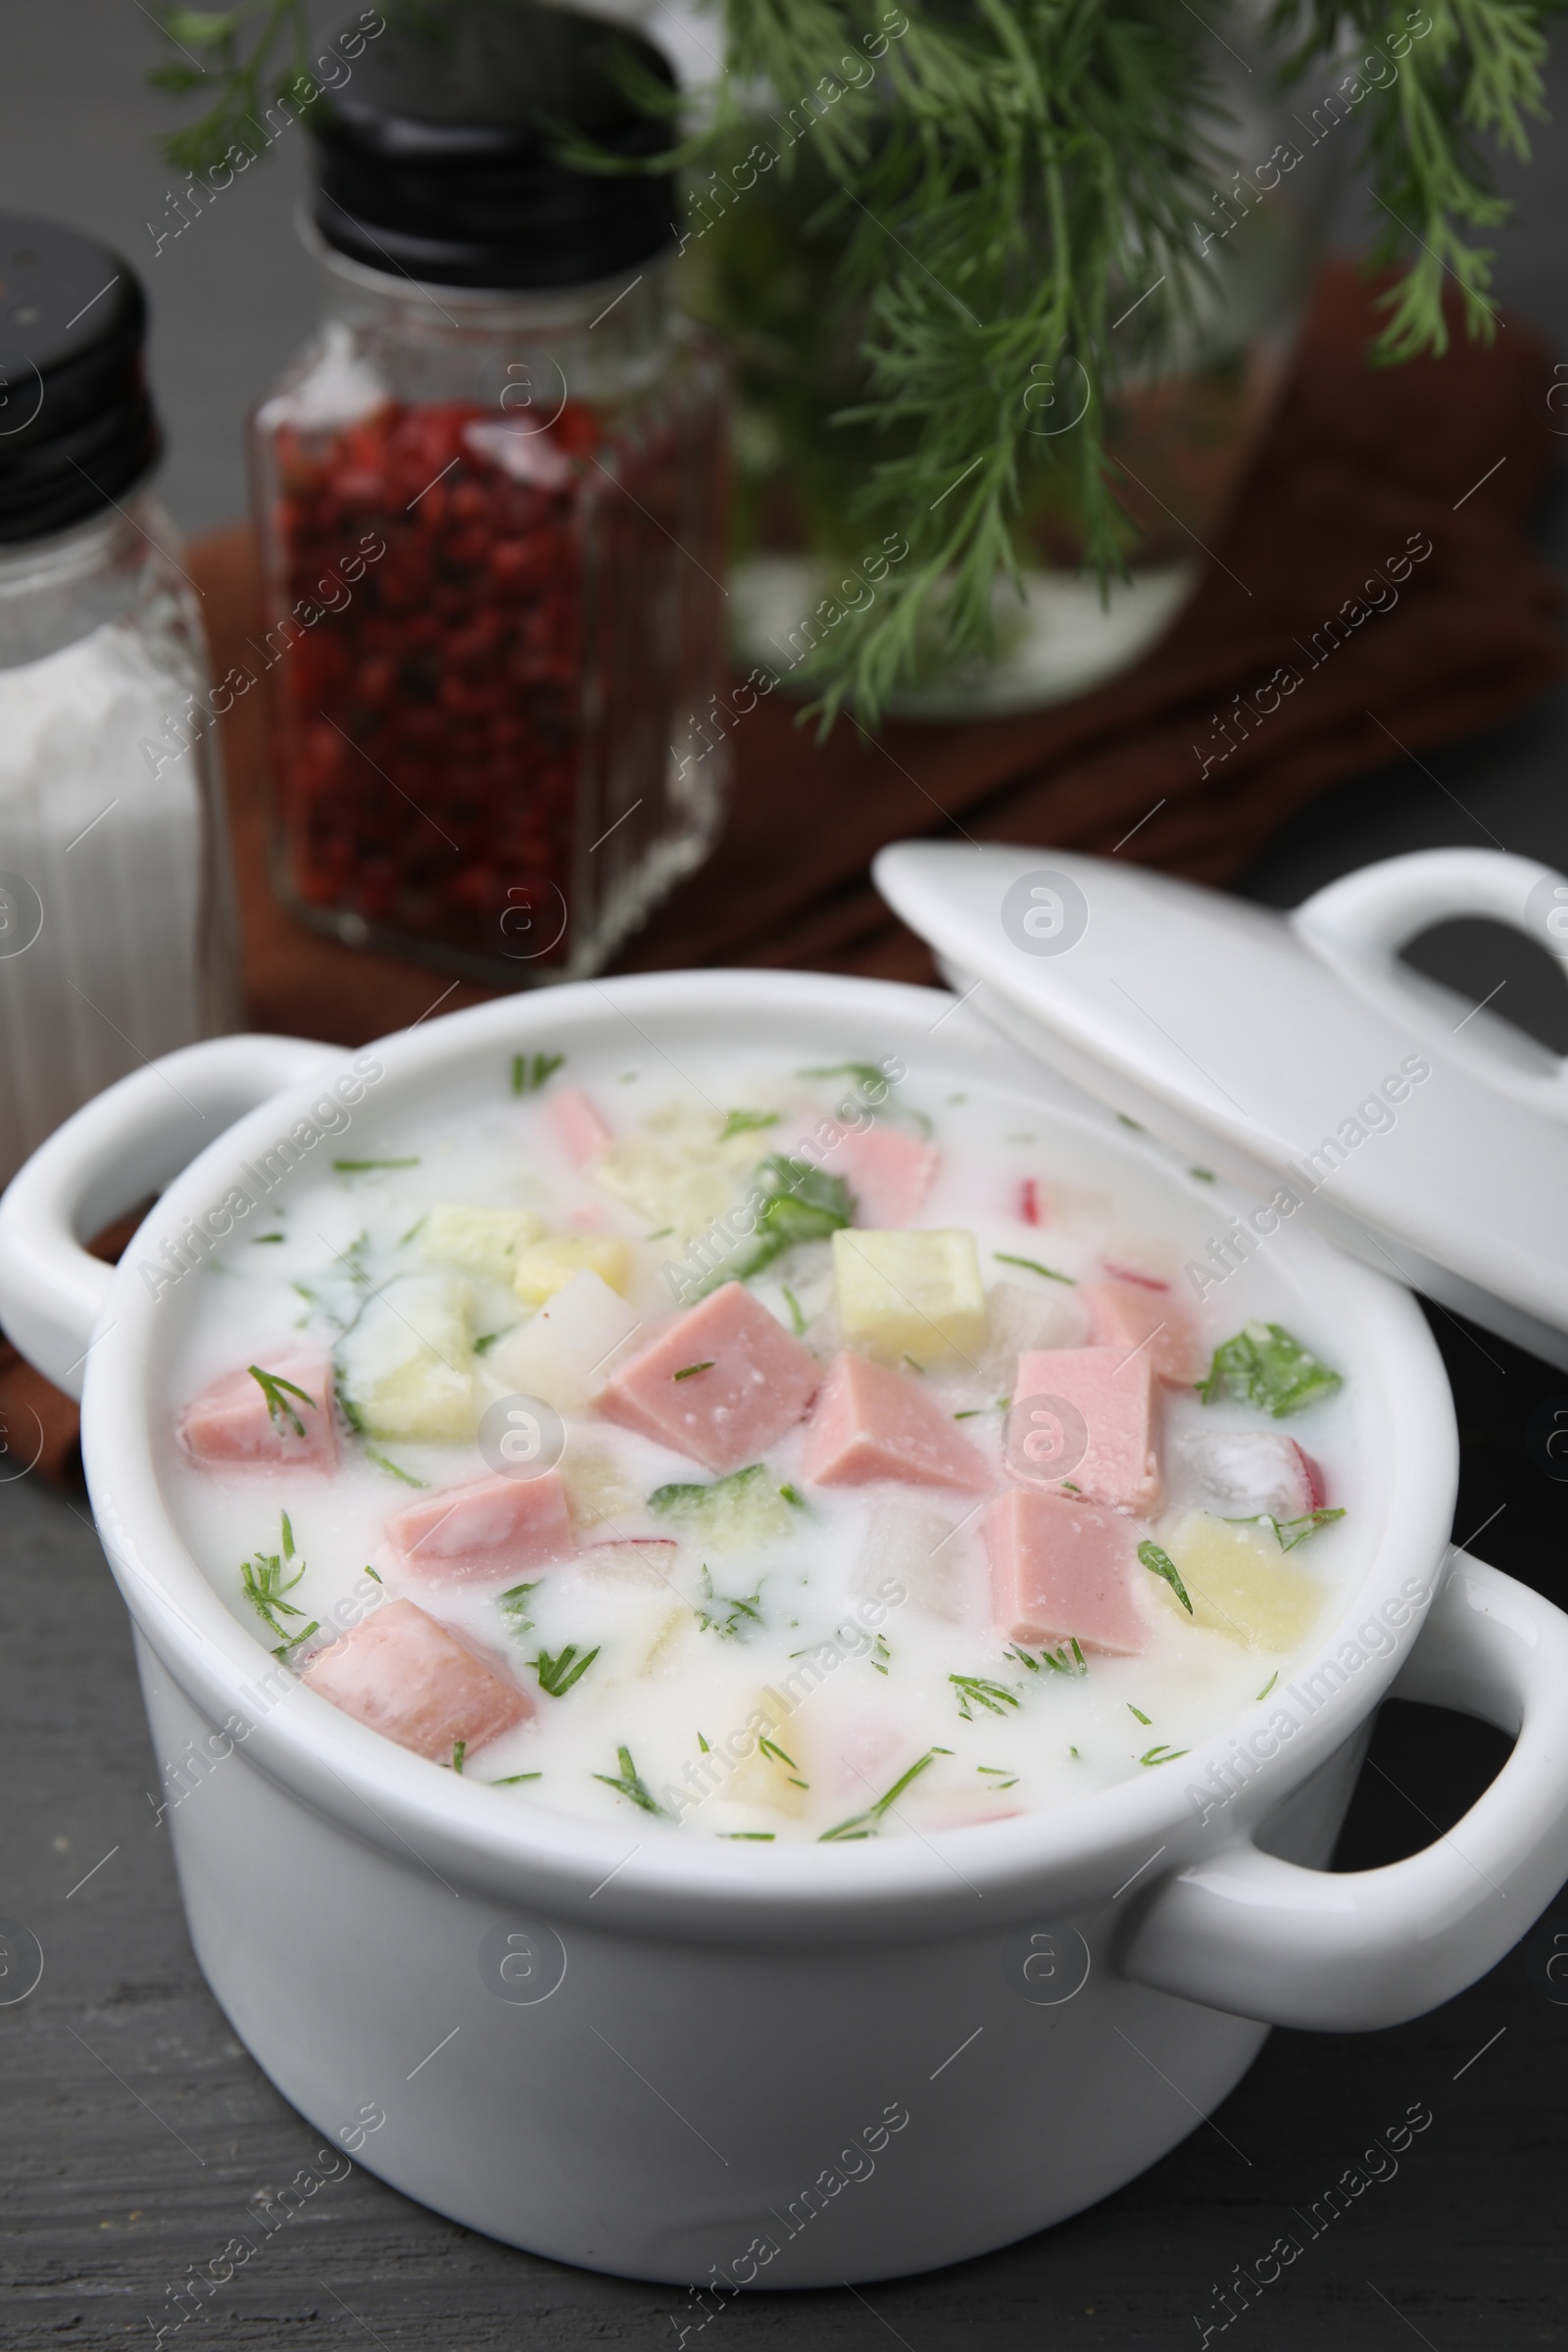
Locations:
column 76, row 427
column 440, row 159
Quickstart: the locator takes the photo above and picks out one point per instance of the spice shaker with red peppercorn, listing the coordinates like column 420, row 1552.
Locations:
column 491, row 501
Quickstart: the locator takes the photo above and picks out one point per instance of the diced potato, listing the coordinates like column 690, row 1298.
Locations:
column 770, row 1774
column 406, row 1366
column 596, row 1487
column 485, row 1241
column 1241, row 1584
column 569, row 1348
column 675, row 1172
column 911, row 1297
column 546, row 1267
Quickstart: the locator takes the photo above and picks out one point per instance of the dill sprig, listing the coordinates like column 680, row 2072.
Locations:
column 558, row 1674
column 944, row 247
column 866, row 1824
column 265, row 1587
column 628, row 1781
column 277, row 1390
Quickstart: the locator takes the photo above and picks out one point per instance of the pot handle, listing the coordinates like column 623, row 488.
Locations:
column 1348, row 1952
column 1359, row 924
column 128, row 1141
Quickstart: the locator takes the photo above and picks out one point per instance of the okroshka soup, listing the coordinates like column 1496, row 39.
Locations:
column 753, row 1447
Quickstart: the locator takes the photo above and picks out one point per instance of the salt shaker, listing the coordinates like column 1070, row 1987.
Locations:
column 117, row 931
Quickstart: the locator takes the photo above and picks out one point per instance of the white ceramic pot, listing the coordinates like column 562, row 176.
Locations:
column 694, row 2061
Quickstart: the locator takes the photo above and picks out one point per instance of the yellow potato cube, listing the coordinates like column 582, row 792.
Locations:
column 1241, row 1584
column 484, row 1241
column 546, row 1267
column 406, row 1366
column 910, row 1296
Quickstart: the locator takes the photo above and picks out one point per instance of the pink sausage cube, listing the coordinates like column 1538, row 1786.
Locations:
column 722, row 1383
column 1121, row 1316
column 1061, row 1567
column 418, row 1682
column 872, row 1422
column 487, row 1531
column 578, row 1125
column 1111, row 1394
column 889, row 1172
column 238, row 1424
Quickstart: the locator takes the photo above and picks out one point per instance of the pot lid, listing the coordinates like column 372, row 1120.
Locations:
column 1292, row 1054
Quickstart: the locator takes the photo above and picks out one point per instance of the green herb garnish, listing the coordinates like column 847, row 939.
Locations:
column 867, row 1075
column 794, row 1306
column 880, row 1655
column 256, row 1239
column 1269, row 1684
column 1288, row 1533
column 799, row 1203
column 277, row 1392
column 742, row 1122
column 1032, row 1265
column 513, row 1605
column 512, row 1778
column 1160, row 1563
column 487, row 1339
column 690, row 1371
column 629, row 1783
column 1263, row 1365
column 262, row 1581
column 1147, row 1720
column 995, row 1698
column 459, row 1748
column 866, row 1824
column 558, row 1674
column 530, row 1071
column 756, row 1837
column 384, row 1462
column 1058, row 1660
column 358, row 1168
column 1162, row 1754
column 730, row 1627
column 793, row 1497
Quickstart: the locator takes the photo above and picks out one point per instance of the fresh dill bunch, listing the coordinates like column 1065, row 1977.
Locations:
column 947, row 230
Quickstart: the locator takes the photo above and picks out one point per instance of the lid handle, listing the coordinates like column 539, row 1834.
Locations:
column 1359, row 924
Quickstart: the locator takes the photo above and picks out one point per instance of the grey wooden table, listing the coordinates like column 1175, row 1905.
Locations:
column 135, row 2133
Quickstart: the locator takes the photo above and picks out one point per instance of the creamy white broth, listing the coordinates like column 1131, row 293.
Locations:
column 849, row 1618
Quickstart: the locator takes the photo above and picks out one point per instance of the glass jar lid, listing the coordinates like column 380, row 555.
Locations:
column 442, row 159
column 76, row 426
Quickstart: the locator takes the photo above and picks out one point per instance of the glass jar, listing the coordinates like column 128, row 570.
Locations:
column 492, row 517
column 117, row 929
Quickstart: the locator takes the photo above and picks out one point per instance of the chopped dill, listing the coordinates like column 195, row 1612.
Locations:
column 486, row 1341
column 880, row 1654
column 558, row 1674
column 513, row 1605
column 384, row 1462
column 1269, row 1684
column 630, row 1782
column 973, row 1688
column 1163, row 1754
column 794, row 1306
column 1142, row 1717
column 866, row 1824
column 264, row 1586
column 459, row 1748
column 690, row 1371
column 755, row 1837
column 1160, row 1563
column 730, row 1627
column 512, row 1778
column 530, row 1071
column 277, row 1392
column 359, row 1167
column 742, row 1122
column 793, row 1495
column 256, row 1239
column 1032, row 1265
